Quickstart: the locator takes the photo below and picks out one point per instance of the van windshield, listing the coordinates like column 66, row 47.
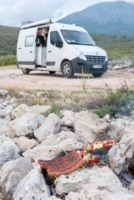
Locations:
column 77, row 37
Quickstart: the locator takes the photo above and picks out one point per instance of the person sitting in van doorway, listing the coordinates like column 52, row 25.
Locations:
column 45, row 41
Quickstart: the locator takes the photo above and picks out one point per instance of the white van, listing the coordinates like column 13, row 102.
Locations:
column 70, row 49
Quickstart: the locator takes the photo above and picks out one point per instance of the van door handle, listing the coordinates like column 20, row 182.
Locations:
column 19, row 48
column 31, row 52
column 49, row 51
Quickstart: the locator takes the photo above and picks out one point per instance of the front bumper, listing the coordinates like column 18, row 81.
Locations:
column 79, row 64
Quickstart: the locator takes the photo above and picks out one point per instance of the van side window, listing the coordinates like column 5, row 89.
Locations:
column 53, row 36
column 29, row 41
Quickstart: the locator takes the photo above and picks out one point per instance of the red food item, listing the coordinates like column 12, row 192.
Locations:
column 63, row 165
column 109, row 143
column 96, row 159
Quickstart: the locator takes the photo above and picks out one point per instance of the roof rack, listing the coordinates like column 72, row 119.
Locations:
column 40, row 23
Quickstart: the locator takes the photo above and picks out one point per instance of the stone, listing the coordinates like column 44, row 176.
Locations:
column 53, row 198
column 8, row 150
column 3, row 93
column 24, row 125
column 12, row 173
column 51, row 125
column 89, row 127
column 131, row 186
column 53, row 146
column 96, row 178
column 87, row 194
column 40, row 109
column 122, row 154
column 6, row 111
column 23, row 94
column 116, row 129
column 6, row 130
column 24, row 143
column 68, row 118
column 40, row 94
column 20, row 110
column 33, row 186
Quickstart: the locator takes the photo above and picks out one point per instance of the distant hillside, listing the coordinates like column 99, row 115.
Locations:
column 115, row 18
column 8, row 40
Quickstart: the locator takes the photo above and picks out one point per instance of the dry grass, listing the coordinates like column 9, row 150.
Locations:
column 8, row 67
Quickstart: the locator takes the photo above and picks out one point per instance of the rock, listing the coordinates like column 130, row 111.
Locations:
column 116, row 129
column 23, row 94
column 24, row 143
column 15, row 140
column 6, row 111
column 53, row 146
column 20, row 110
column 131, row 186
column 24, row 125
column 68, row 118
column 40, row 94
column 96, row 178
column 89, row 126
column 3, row 93
column 40, row 109
column 3, row 196
column 23, row 109
column 87, row 194
column 8, row 150
column 53, row 198
column 121, row 155
column 33, row 186
column 12, row 173
column 5, row 103
column 52, row 125
column 6, row 130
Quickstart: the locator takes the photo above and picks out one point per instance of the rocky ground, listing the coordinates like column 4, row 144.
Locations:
column 26, row 136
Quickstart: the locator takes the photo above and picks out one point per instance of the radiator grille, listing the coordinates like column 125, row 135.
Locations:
column 96, row 59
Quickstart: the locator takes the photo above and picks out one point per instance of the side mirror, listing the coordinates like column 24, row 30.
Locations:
column 58, row 43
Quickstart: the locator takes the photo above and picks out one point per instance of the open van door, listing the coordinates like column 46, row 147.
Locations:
column 26, row 48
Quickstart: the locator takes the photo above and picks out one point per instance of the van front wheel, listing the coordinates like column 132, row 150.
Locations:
column 67, row 69
column 25, row 71
column 97, row 75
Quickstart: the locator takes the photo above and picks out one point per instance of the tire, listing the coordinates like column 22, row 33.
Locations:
column 25, row 71
column 97, row 75
column 52, row 72
column 67, row 70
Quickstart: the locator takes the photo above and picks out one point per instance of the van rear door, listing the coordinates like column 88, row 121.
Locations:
column 26, row 48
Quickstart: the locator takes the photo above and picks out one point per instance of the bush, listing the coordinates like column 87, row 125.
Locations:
column 10, row 61
column 54, row 108
column 104, row 110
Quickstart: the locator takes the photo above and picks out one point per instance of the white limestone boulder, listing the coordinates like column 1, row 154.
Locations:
column 87, row 194
column 96, row 178
column 33, row 186
column 24, row 143
column 6, row 111
column 122, row 155
column 20, row 110
column 8, row 150
column 12, row 173
column 89, row 126
column 51, row 125
column 3, row 93
column 67, row 118
column 53, row 145
column 40, row 109
column 24, row 125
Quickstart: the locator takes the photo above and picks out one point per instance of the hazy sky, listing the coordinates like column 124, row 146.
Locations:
column 14, row 12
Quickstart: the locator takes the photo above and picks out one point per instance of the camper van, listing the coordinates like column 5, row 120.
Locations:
column 56, row 47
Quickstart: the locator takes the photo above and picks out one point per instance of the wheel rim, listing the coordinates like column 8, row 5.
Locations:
column 66, row 69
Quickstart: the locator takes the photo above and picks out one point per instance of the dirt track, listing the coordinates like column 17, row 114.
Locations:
column 43, row 80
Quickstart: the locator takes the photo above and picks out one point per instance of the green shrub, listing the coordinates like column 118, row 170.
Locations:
column 10, row 61
column 54, row 108
column 104, row 110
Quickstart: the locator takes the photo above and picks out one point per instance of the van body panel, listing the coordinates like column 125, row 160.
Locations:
column 26, row 52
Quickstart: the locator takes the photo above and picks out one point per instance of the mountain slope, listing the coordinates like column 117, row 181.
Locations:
column 116, row 18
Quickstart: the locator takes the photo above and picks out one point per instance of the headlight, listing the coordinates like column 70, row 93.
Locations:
column 106, row 59
column 79, row 53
